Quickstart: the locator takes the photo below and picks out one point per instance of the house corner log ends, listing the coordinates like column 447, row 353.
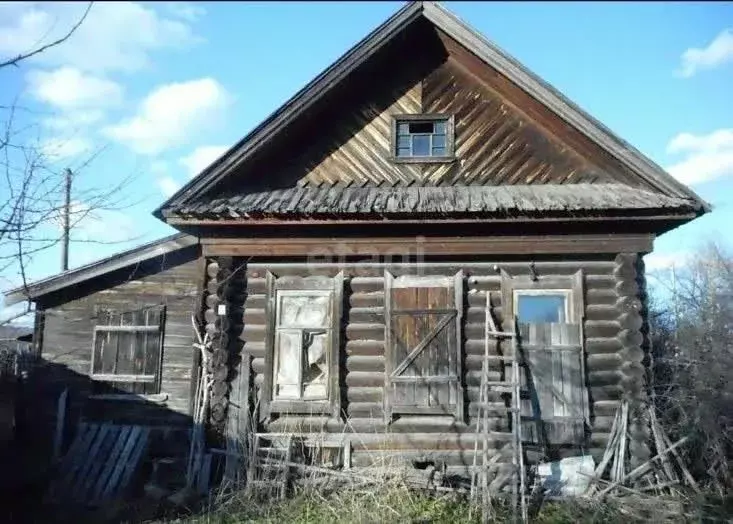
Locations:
column 223, row 314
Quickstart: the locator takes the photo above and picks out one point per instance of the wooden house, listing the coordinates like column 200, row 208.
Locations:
column 349, row 255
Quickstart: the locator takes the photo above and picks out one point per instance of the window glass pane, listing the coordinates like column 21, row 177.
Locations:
column 403, row 141
column 541, row 308
column 403, row 128
column 315, row 365
column 288, row 364
column 421, row 127
column 438, row 151
column 438, row 140
column 304, row 311
column 420, row 145
column 403, row 151
column 440, row 127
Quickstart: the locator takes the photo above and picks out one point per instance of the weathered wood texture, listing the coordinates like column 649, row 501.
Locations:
column 68, row 320
column 224, row 299
column 502, row 136
column 611, row 352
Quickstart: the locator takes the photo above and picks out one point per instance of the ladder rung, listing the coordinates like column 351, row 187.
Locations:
column 500, row 357
column 493, row 407
column 499, row 383
column 501, row 333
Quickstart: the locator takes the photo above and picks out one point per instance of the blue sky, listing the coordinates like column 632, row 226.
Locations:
column 158, row 90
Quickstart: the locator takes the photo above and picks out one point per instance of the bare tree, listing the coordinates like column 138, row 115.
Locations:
column 692, row 326
column 33, row 185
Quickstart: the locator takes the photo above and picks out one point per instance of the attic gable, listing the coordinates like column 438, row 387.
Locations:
column 511, row 127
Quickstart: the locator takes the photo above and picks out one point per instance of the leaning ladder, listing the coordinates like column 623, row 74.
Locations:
column 512, row 386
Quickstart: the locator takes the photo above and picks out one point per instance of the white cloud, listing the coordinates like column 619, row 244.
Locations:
column 200, row 158
column 56, row 149
column 718, row 52
column 168, row 186
column 116, row 36
column 171, row 115
column 69, row 88
column 186, row 10
column 73, row 120
column 706, row 157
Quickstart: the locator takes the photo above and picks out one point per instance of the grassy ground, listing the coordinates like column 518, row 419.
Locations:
column 394, row 503
column 386, row 504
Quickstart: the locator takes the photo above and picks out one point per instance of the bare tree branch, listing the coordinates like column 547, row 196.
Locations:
column 24, row 56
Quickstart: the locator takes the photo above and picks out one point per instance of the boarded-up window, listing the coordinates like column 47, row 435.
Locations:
column 128, row 350
column 423, row 367
column 304, row 317
column 548, row 313
column 553, row 357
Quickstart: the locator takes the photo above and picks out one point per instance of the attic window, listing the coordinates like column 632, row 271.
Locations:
column 422, row 138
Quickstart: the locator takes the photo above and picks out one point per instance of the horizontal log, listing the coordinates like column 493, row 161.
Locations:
column 397, row 457
column 601, row 312
column 365, row 332
column 601, row 328
column 256, row 301
column 365, row 394
column 365, row 409
column 602, row 345
column 254, row 316
column 365, row 347
column 255, row 348
column 607, row 392
column 601, row 296
column 364, row 379
column 604, row 362
column 365, row 363
column 485, row 268
column 630, row 338
column 365, row 315
column 366, row 300
column 604, row 378
column 367, row 284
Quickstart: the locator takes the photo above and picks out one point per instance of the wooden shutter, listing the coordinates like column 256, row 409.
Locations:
column 423, row 323
column 554, row 400
column 128, row 350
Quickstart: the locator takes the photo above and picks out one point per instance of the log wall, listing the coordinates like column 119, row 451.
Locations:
column 613, row 344
column 66, row 323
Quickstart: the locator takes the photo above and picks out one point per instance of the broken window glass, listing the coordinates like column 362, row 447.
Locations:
column 301, row 345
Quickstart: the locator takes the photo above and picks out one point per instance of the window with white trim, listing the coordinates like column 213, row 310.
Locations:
column 127, row 351
column 301, row 359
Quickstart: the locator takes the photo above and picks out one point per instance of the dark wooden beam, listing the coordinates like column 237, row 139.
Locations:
column 421, row 245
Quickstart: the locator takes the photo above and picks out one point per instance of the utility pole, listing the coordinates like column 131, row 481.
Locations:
column 66, row 221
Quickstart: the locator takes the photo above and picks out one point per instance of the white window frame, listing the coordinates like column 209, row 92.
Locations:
column 566, row 292
column 282, row 293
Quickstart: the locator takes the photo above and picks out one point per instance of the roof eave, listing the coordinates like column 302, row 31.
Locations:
column 36, row 290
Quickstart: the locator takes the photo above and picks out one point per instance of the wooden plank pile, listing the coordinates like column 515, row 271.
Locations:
column 657, row 476
column 99, row 465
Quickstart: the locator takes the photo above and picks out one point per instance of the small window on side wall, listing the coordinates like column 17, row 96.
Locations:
column 301, row 359
column 422, row 138
column 127, row 351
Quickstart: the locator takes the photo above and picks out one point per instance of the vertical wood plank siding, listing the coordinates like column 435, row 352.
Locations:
column 612, row 318
column 68, row 326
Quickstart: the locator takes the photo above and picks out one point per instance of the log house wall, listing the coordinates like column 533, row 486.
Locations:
column 613, row 320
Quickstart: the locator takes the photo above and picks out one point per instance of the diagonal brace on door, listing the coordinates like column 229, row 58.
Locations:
column 424, row 342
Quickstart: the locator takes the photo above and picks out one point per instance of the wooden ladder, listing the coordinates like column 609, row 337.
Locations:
column 485, row 409
column 270, row 470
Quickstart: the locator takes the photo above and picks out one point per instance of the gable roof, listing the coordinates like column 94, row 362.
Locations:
column 489, row 53
column 99, row 268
